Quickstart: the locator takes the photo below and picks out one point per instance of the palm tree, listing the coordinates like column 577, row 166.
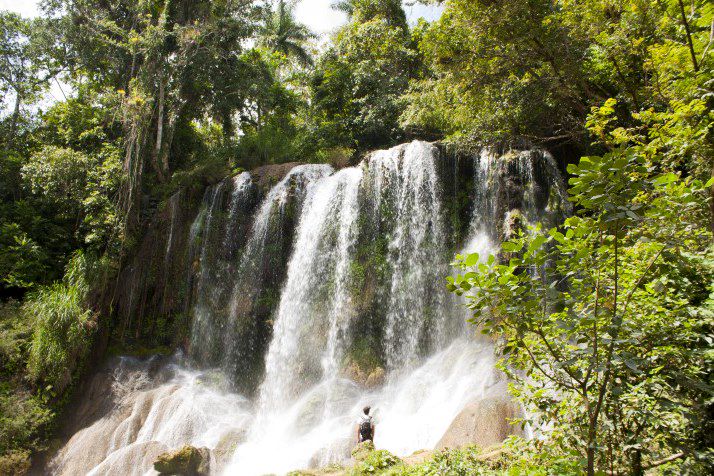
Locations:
column 282, row 32
column 346, row 6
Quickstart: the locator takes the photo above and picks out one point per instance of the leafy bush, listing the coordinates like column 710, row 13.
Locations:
column 376, row 463
column 23, row 417
column 15, row 334
column 515, row 457
column 63, row 327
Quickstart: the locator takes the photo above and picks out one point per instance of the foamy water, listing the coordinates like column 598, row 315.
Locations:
column 305, row 411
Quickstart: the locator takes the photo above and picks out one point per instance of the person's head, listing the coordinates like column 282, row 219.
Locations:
column 366, row 410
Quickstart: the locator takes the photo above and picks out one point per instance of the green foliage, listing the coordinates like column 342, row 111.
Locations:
column 376, row 462
column 63, row 328
column 21, row 259
column 614, row 330
column 535, row 69
column 27, row 65
column 24, row 418
column 59, row 193
column 282, row 33
column 357, row 83
column 600, row 341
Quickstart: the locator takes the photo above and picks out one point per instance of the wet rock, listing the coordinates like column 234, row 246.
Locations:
column 215, row 379
column 362, row 451
column 132, row 460
column 513, row 224
column 365, row 374
column 483, row 423
column 188, row 461
column 355, row 373
column 226, row 447
column 268, row 175
column 376, row 378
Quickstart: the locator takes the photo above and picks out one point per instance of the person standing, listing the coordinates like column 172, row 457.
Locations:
column 365, row 428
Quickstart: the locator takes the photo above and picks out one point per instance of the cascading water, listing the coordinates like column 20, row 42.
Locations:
column 249, row 283
column 359, row 316
column 407, row 193
column 214, row 262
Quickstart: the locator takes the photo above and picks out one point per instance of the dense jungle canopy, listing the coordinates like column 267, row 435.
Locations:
column 610, row 346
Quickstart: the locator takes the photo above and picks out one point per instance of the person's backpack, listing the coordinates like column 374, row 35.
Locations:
column 365, row 428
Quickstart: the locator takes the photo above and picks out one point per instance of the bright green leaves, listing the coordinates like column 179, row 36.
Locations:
column 512, row 247
column 471, row 259
column 63, row 327
column 605, row 307
column 609, row 184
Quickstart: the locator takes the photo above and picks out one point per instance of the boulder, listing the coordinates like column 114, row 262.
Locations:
column 376, row 378
column 514, row 223
column 364, row 374
column 483, row 423
column 266, row 176
column 226, row 446
column 188, row 461
column 362, row 451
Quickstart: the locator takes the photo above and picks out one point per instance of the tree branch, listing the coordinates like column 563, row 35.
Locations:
column 689, row 36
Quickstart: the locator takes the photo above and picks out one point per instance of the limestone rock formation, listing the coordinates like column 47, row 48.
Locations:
column 266, row 176
column 188, row 461
column 483, row 423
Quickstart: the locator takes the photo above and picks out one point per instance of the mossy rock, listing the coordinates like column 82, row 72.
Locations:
column 362, row 451
column 376, row 378
column 188, row 461
column 514, row 224
column 332, row 470
column 376, row 462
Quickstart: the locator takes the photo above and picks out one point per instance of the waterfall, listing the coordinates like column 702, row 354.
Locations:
column 204, row 338
column 314, row 306
column 313, row 298
column 242, row 185
column 417, row 251
column 240, row 338
column 173, row 210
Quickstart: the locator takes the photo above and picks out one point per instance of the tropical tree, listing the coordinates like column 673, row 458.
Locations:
column 26, row 63
column 282, row 33
column 345, row 6
column 358, row 82
column 603, row 324
column 165, row 64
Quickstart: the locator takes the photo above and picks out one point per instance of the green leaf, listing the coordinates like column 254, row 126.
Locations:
column 471, row 259
column 665, row 179
column 511, row 247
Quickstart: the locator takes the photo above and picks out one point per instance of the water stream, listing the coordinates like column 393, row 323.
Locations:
column 360, row 315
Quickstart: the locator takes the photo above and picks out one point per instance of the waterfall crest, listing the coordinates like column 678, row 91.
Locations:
column 313, row 298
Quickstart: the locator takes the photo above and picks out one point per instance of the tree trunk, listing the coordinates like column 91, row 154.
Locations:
column 689, row 36
column 711, row 204
column 14, row 119
column 636, row 463
column 160, row 171
column 591, row 460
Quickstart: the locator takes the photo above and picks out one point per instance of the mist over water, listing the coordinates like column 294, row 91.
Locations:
column 306, row 402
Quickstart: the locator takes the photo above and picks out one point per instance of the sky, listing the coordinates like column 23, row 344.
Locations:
column 316, row 14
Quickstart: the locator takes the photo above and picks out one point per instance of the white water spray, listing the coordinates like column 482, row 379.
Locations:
column 306, row 406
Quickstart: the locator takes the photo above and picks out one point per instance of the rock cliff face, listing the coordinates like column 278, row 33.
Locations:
column 298, row 293
column 192, row 244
